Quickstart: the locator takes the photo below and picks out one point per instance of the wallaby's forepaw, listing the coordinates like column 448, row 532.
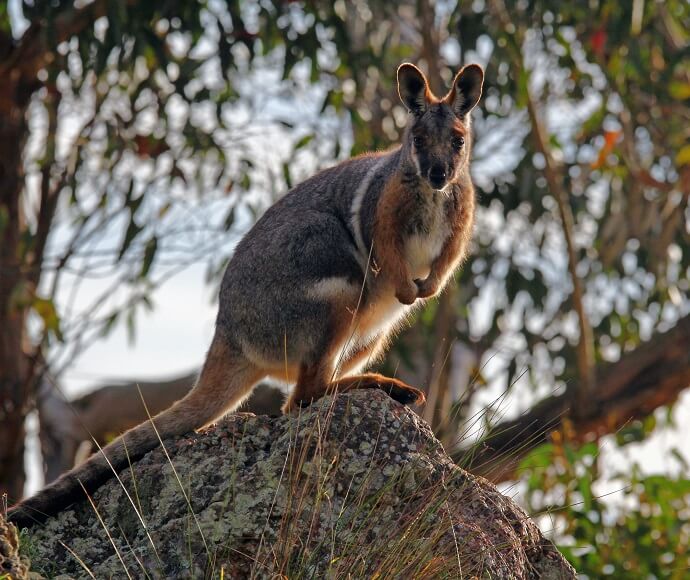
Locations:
column 426, row 288
column 407, row 294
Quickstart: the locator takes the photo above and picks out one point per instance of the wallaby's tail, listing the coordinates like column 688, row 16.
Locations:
column 225, row 381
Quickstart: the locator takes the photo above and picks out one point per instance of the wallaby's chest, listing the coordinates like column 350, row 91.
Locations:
column 425, row 225
column 425, row 235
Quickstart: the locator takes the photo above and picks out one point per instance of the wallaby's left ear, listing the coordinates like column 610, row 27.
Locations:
column 467, row 89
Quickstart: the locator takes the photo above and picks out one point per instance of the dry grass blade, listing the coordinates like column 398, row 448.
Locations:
column 78, row 559
column 177, row 477
column 107, row 532
column 137, row 507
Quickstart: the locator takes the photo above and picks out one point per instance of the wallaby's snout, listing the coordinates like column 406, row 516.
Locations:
column 437, row 176
column 438, row 149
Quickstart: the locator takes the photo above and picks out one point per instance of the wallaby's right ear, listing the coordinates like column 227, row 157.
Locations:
column 413, row 88
column 467, row 89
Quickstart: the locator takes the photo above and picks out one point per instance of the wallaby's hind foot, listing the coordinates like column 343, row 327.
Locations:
column 394, row 388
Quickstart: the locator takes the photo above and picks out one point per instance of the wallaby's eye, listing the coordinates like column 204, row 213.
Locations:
column 458, row 143
column 417, row 141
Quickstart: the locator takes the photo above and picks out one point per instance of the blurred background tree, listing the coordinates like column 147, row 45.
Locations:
column 137, row 137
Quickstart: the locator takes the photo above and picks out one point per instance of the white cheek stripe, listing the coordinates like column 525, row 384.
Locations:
column 355, row 209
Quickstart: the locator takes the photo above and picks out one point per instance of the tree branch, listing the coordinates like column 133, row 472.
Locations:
column 649, row 377
column 33, row 52
column 585, row 346
column 49, row 193
column 555, row 181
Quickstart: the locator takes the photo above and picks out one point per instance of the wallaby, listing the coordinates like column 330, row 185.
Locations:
column 317, row 287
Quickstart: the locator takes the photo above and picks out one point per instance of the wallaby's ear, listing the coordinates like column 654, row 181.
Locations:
column 467, row 89
column 412, row 88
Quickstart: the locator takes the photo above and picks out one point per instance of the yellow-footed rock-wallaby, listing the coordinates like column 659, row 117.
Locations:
column 317, row 287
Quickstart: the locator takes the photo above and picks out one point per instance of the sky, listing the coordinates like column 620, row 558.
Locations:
column 170, row 341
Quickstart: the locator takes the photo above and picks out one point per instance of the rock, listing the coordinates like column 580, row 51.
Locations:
column 355, row 485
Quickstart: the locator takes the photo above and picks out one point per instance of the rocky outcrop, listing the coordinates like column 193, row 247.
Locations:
column 356, row 484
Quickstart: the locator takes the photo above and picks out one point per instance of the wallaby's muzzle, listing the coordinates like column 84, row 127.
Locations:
column 437, row 176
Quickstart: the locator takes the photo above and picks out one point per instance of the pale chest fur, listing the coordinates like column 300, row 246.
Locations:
column 425, row 239
column 424, row 246
column 423, row 219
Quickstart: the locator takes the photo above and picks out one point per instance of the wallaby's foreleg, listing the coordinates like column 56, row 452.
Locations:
column 224, row 382
column 389, row 244
column 446, row 262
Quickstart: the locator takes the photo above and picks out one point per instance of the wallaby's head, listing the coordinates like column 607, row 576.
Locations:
column 437, row 142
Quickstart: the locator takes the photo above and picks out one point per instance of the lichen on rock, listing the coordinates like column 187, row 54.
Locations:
column 354, row 485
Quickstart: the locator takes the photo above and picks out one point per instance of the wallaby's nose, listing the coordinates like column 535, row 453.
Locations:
column 437, row 176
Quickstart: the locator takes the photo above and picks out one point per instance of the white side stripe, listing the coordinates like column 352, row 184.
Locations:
column 355, row 218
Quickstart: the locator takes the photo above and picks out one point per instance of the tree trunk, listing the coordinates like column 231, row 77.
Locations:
column 20, row 62
column 14, row 389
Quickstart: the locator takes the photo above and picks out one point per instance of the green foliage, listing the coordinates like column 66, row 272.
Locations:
column 636, row 528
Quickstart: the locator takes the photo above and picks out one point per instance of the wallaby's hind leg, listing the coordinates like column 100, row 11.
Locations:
column 362, row 358
column 312, row 383
column 317, row 370
column 317, row 379
column 311, row 386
